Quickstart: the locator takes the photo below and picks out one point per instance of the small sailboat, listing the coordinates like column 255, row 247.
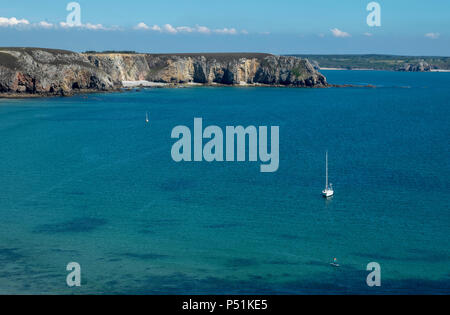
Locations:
column 335, row 263
column 147, row 120
column 328, row 191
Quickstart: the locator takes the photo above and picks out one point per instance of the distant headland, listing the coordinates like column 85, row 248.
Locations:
column 379, row 62
column 29, row 72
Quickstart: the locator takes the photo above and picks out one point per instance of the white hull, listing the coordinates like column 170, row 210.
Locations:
column 327, row 193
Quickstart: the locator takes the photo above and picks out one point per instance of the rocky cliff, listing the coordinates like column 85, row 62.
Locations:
column 49, row 72
column 225, row 68
column 34, row 71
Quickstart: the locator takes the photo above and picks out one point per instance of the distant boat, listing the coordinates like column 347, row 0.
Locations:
column 335, row 263
column 146, row 118
column 328, row 191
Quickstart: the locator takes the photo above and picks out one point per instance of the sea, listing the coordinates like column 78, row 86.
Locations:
column 85, row 179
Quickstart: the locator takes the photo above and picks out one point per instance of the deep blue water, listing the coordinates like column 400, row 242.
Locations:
column 84, row 179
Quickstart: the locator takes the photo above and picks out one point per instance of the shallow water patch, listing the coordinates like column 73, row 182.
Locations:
column 10, row 255
column 179, row 184
column 78, row 225
column 223, row 226
column 148, row 256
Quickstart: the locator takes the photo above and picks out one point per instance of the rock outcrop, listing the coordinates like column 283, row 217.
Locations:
column 35, row 71
column 49, row 72
column 421, row 66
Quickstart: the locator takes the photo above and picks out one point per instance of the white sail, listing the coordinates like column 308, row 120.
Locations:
column 328, row 191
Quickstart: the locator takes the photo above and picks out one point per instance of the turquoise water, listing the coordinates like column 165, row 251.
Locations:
column 84, row 179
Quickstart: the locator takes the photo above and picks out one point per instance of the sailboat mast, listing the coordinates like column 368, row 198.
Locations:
column 326, row 168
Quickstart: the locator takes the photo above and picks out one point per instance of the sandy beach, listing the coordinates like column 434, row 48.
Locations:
column 142, row 83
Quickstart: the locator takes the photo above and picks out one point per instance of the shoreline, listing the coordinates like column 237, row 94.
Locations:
column 74, row 93
column 137, row 88
column 155, row 85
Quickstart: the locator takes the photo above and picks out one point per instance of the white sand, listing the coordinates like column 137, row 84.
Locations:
column 130, row 84
column 439, row 70
column 341, row 69
column 332, row 68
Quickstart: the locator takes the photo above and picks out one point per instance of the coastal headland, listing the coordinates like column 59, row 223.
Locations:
column 379, row 62
column 35, row 72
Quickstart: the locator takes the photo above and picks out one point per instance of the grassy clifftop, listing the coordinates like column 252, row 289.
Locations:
column 29, row 50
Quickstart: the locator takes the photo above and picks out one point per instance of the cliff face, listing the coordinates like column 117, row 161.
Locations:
column 48, row 72
column 230, row 69
column 121, row 67
column 27, row 71
column 416, row 67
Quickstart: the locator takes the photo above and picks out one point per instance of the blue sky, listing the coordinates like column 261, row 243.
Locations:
column 293, row 26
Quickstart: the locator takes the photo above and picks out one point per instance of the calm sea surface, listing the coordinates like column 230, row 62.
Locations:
column 84, row 179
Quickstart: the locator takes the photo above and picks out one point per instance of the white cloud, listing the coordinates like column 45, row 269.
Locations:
column 338, row 33
column 94, row 26
column 170, row 29
column 88, row 26
column 432, row 35
column 368, row 34
column 226, row 31
column 203, row 29
column 145, row 27
column 12, row 22
column 245, row 32
column 156, row 28
column 185, row 29
column 44, row 24
column 64, row 25
column 167, row 28
column 142, row 26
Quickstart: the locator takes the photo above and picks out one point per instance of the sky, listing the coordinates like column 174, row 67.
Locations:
column 408, row 27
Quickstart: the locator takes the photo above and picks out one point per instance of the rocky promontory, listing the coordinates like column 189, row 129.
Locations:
column 45, row 72
column 30, row 71
column 420, row 66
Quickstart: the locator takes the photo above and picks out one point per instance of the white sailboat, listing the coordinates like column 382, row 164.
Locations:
column 328, row 191
column 335, row 263
column 147, row 120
